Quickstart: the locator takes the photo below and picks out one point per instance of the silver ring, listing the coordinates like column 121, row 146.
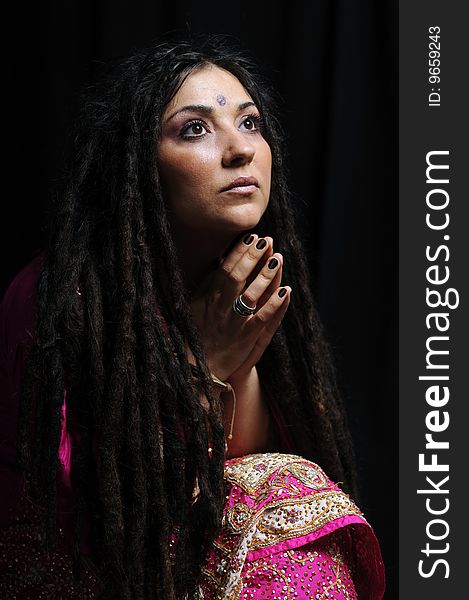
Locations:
column 241, row 308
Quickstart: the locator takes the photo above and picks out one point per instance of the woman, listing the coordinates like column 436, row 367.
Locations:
column 171, row 373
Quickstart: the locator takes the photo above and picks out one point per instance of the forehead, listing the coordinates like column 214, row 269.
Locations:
column 205, row 84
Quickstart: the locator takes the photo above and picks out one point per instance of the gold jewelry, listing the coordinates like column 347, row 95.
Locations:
column 227, row 387
column 224, row 387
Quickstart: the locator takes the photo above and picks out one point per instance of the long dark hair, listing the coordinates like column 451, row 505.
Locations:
column 113, row 328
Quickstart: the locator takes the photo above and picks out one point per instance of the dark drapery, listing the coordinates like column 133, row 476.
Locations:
column 334, row 64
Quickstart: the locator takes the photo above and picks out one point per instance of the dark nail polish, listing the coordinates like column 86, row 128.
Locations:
column 282, row 292
column 248, row 239
column 273, row 263
column 261, row 244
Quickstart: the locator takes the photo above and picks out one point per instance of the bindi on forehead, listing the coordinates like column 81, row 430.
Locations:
column 221, row 99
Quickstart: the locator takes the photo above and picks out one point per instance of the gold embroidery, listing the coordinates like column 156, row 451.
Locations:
column 258, row 565
column 309, row 474
column 301, row 559
column 220, row 547
column 251, row 472
column 238, row 517
column 314, row 511
column 206, row 573
column 336, row 584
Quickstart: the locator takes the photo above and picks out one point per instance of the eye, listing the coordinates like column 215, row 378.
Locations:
column 251, row 123
column 194, row 129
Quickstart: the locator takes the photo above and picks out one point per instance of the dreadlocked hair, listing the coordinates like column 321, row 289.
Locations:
column 114, row 326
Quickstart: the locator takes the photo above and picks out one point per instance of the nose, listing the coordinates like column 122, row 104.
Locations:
column 238, row 150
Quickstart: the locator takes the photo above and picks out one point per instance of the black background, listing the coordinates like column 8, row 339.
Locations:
column 335, row 66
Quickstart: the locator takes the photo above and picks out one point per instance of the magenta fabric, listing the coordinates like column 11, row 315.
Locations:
column 317, row 570
column 284, row 516
column 288, row 531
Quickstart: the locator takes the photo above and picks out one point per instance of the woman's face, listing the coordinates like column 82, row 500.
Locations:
column 214, row 163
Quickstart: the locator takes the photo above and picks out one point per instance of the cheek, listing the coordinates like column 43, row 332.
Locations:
column 265, row 162
column 185, row 171
column 267, row 158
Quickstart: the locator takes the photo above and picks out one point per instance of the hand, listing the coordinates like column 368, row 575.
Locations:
column 234, row 344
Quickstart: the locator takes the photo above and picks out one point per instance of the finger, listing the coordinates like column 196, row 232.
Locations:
column 253, row 293
column 267, row 332
column 219, row 278
column 253, row 261
column 235, row 279
column 238, row 251
column 274, row 285
column 263, row 316
column 262, row 261
column 214, row 281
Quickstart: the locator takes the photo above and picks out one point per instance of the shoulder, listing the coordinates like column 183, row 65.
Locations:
column 287, row 497
column 282, row 502
column 18, row 308
column 271, row 479
column 273, row 485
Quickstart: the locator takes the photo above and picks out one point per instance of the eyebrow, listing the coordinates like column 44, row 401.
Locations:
column 207, row 110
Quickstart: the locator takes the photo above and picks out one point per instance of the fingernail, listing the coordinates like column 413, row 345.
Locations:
column 282, row 292
column 261, row 244
column 273, row 263
column 248, row 239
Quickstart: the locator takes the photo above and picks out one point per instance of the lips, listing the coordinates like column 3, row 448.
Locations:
column 242, row 184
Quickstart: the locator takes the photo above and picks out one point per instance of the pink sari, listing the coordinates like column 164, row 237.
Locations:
column 289, row 532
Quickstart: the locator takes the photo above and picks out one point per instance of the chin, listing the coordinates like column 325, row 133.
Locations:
column 246, row 218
